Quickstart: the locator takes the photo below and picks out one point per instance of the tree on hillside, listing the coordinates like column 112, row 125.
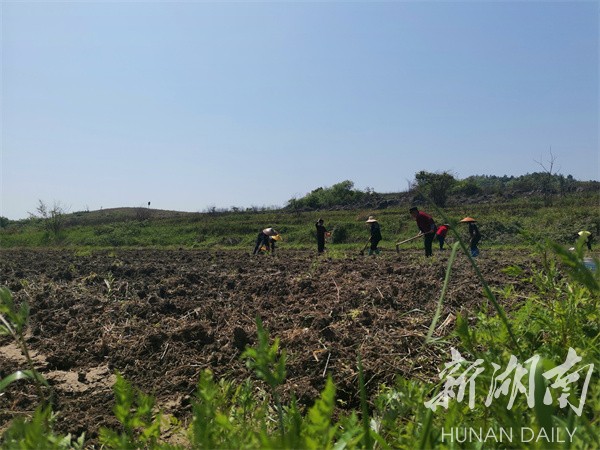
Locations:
column 436, row 186
column 53, row 217
column 466, row 187
column 566, row 184
column 340, row 194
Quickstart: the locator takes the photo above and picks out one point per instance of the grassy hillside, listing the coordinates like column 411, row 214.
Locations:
column 511, row 223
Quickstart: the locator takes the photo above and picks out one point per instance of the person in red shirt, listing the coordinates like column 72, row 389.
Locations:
column 441, row 233
column 427, row 226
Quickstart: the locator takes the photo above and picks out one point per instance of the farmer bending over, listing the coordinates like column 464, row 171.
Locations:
column 266, row 237
column 427, row 226
column 588, row 238
column 441, row 233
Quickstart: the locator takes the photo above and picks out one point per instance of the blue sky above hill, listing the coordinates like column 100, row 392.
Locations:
column 195, row 104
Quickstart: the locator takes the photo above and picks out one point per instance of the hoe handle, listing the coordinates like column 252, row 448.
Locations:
column 407, row 240
column 365, row 247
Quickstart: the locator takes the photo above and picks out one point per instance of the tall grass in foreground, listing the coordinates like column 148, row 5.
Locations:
column 562, row 317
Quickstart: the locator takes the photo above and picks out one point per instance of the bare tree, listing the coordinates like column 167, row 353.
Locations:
column 548, row 166
column 548, row 180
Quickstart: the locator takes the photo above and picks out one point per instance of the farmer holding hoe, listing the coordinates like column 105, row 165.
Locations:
column 474, row 235
column 321, row 234
column 426, row 226
column 375, row 235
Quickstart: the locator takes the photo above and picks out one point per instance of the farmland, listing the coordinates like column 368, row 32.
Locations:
column 162, row 315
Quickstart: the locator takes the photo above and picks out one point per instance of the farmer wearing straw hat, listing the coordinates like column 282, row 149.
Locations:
column 588, row 238
column 474, row 235
column 375, row 235
column 266, row 238
column 427, row 226
column 321, row 233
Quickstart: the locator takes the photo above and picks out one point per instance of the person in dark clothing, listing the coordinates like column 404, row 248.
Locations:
column 474, row 235
column 427, row 226
column 441, row 233
column 266, row 237
column 321, row 234
column 375, row 235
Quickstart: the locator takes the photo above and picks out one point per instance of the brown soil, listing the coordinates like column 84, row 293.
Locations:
column 161, row 317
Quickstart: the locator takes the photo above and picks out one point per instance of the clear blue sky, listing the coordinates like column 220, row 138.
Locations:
column 194, row 104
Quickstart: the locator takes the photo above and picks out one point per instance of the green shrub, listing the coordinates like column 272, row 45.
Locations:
column 339, row 235
column 340, row 194
column 436, row 186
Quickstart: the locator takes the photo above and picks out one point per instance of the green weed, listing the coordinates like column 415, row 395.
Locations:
column 36, row 433
column 134, row 411
column 13, row 320
column 269, row 366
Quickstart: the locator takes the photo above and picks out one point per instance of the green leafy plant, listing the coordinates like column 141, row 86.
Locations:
column 134, row 410
column 269, row 365
column 13, row 320
column 227, row 416
column 37, row 434
column 319, row 433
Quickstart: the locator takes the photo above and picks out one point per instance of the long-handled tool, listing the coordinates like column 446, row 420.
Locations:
column 362, row 252
column 407, row 240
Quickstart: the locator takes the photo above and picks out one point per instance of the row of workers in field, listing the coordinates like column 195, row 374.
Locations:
column 425, row 223
column 428, row 229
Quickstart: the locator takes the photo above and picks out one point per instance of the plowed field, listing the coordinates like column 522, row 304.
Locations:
column 161, row 317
